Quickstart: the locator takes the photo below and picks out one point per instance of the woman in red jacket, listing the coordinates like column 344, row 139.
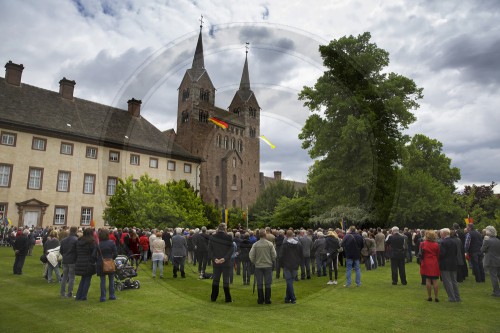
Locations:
column 133, row 244
column 144, row 242
column 429, row 266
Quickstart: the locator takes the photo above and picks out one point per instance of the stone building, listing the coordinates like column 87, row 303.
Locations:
column 229, row 172
column 61, row 156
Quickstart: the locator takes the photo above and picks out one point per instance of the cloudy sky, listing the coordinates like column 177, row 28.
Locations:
column 119, row 49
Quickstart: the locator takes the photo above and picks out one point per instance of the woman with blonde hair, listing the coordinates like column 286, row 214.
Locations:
column 158, row 254
column 429, row 265
column 332, row 246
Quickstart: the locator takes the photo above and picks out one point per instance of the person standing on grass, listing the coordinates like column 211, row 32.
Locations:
column 220, row 248
column 157, row 254
column 263, row 256
column 352, row 244
column 398, row 244
column 291, row 253
column 68, row 252
column 318, row 249
column 473, row 243
column 448, row 265
column 51, row 249
column 21, row 248
column 306, row 244
column 144, row 245
column 201, row 250
column 491, row 250
column 85, row 262
column 429, row 264
column 332, row 246
column 107, row 250
column 245, row 247
column 179, row 252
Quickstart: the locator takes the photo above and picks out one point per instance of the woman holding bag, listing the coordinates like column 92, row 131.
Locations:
column 107, row 250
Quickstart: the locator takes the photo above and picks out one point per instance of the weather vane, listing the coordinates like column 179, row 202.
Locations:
column 247, row 46
column 201, row 22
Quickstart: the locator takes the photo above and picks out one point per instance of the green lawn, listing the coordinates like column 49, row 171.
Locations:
column 29, row 304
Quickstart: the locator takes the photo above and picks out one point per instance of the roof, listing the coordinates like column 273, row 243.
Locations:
column 267, row 181
column 45, row 112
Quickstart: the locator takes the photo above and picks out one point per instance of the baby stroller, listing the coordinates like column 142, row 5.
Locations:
column 125, row 273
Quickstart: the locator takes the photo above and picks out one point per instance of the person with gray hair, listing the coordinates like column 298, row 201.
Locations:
column 399, row 246
column 491, row 261
column 318, row 250
column 448, row 265
column 179, row 252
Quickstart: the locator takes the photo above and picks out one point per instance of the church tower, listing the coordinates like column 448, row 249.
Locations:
column 229, row 173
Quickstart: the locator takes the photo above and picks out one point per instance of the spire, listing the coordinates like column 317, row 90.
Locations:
column 245, row 77
column 198, row 62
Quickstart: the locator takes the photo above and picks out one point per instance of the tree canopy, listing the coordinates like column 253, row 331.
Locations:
column 355, row 130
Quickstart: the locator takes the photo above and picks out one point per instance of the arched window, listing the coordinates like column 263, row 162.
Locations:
column 233, row 144
column 234, row 162
column 252, row 112
column 240, row 146
column 185, row 94
column 218, row 141
column 216, row 180
column 241, row 183
column 236, row 111
column 203, row 116
column 225, row 142
column 185, row 116
column 234, row 180
column 252, row 132
column 234, row 203
column 216, row 203
column 204, row 95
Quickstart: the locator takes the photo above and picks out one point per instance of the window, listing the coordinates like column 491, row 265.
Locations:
column 252, row 132
column 171, row 165
column 5, row 175
column 86, row 215
column 63, row 181
column 9, row 139
column 253, row 112
column 3, row 210
column 234, row 203
column 234, row 180
column 88, row 183
column 153, row 162
column 218, row 141
column 91, row 152
column 187, row 168
column 185, row 94
column 60, row 213
column 234, row 162
column 204, row 95
column 225, row 142
column 203, row 116
column 35, row 178
column 236, row 111
column 185, row 116
column 240, row 146
column 216, row 180
column 38, row 143
column 112, row 181
column 114, row 156
column 216, row 203
column 66, row 148
column 233, row 144
column 135, row 159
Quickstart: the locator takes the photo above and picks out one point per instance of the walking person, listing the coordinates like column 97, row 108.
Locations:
column 491, row 250
column 85, row 262
column 352, row 244
column 291, row 253
column 263, row 255
column 448, row 265
column 220, row 248
column 68, row 252
column 179, row 252
column 429, row 264
column 398, row 244
column 107, row 250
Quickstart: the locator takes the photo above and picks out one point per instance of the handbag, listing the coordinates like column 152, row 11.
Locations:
column 108, row 266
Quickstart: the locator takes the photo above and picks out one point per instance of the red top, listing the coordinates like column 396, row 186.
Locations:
column 144, row 241
column 429, row 265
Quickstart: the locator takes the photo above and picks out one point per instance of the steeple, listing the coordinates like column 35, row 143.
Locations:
column 245, row 77
column 198, row 62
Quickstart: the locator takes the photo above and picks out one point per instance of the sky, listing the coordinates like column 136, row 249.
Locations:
column 119, row 49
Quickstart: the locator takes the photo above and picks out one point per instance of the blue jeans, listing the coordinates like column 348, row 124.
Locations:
column 264, row 276
column 144, row 256
column 290, row 276
column 305, row 267
column 111, row 278
column 83, row 288
column 50, row 269
column 349, row 263
column 68, row 277
column 159, row 264
column 321, row 265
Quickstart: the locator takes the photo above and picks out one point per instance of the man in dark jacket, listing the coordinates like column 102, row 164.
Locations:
column 473, row 243
column 20, row 247
column 352, row 244
column 399, row 246
column 448, row 265
column 290, row 259
column 201, row 250
column 220, row 248
column 68, row 252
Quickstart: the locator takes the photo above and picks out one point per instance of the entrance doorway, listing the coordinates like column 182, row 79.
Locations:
column 31, row 218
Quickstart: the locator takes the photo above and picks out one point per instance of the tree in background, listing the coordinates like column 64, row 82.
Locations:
column 425, row 193
column 481, row 204
column 291, row 212
column 355, row 131
column 149, row 204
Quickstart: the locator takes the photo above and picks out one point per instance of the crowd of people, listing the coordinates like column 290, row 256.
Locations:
column 444, row 255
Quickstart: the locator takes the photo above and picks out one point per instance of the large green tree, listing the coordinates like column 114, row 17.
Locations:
column 148, row 203
column 481, row 204
column 426, row 185
column 355, row 130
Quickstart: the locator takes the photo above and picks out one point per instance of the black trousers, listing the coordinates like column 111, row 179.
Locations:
column 398, row 265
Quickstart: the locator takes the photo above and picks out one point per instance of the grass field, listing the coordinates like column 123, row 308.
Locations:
column 29, row 304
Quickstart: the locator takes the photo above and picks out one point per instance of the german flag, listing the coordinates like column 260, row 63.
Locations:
column 219, row 122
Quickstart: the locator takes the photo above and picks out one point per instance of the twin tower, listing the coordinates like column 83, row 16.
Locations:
column 229, row 172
